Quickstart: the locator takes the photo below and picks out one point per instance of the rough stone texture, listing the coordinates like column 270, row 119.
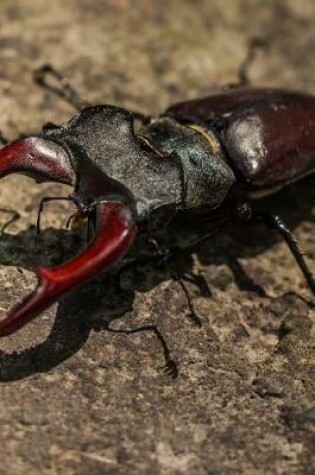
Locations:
column 76, row 399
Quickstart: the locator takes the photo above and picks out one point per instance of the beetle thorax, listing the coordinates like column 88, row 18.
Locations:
column 207, row 177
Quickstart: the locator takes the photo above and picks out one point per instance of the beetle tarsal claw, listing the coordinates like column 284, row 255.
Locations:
column 114, row 233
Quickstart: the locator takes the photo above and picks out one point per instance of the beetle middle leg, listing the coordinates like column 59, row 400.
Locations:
column 170, row 365
column 254, row 46
column 166, row 257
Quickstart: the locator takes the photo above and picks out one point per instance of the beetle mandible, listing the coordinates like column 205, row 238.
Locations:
column 203, row 158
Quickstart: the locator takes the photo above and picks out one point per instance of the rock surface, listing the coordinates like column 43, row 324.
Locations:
column 75, row 399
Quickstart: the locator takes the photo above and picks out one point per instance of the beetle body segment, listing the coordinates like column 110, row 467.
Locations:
column 207, row 178
column 110, row 161
column 203, row 158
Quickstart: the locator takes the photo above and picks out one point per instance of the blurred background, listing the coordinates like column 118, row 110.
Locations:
column 74, row 400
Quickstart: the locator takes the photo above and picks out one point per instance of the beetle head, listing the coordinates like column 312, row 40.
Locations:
column 113, row 222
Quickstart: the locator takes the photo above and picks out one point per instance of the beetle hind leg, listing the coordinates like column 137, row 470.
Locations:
column 275, row 222
column 244, row 212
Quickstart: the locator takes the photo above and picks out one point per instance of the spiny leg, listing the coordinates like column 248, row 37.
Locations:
column 168, row 257
column 170, row 365
column 192, row 312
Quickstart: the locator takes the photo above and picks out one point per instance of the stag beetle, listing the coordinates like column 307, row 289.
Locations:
column 204, row 159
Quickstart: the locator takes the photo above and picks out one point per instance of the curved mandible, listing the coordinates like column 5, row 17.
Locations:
column 114, row 232
column 38, row 158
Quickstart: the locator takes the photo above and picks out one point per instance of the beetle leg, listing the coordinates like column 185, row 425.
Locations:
column 169, row 258
column 170, row 366
column 254, row 46
column 66, row 91
column 14, row 217
column 3, row 139
column 194, row 317
column 275, row 222
column 166, row 257
column 47, row 199
column 114, row 233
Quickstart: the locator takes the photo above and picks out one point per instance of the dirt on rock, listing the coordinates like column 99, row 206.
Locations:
column 76, row 399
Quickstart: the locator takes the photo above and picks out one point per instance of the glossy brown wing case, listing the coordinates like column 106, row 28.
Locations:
column 267, row 134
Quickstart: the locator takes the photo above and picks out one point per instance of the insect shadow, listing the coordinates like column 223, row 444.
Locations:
column 293, row 204
column 96, row 305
